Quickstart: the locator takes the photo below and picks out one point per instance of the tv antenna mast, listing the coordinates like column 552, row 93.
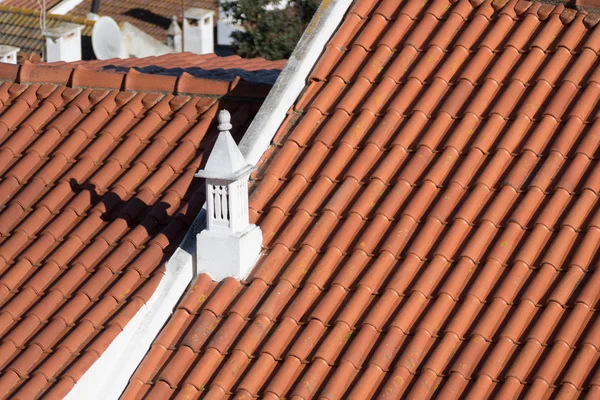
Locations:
column 182, row 25
column 42, row 5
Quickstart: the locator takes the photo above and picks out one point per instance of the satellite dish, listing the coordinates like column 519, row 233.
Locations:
column 106, row 38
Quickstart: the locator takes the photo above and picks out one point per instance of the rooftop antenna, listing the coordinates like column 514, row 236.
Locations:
column 42, row 6
column 182, row 25
column 106, row 38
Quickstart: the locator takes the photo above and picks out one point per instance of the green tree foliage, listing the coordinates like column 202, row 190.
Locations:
column 269, row 31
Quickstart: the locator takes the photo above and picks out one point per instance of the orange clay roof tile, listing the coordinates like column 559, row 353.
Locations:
column 187, row 66
column 97, row 186
column 430, row 215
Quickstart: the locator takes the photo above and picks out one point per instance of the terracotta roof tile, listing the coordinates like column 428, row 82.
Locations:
column 97, row 191
column 429, row 211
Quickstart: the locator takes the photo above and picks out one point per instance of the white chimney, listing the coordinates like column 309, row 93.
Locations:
column 174, row 38
column 63, row 42
column 230, row 245
column 198, row 31
column 8, row 54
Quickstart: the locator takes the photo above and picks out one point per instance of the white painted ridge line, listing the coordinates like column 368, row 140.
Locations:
column 292, row 79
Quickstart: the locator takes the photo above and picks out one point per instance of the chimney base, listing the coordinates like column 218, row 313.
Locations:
column 8, row 54
column 224, row 254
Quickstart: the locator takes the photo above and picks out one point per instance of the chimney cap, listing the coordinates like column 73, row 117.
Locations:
column 63, row 29
column 6, row 49
column 197, row 13
column 225, row 162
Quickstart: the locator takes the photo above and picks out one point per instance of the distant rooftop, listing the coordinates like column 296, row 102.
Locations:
column 151, row 16
column 20, row 27
column 210, row 66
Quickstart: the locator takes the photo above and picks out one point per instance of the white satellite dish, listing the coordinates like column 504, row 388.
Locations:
column 106, row 38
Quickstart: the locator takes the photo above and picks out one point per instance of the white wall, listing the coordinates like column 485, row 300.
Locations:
column 138, row 43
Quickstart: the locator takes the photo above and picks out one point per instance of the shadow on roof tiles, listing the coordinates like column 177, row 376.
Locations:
column 259, row 76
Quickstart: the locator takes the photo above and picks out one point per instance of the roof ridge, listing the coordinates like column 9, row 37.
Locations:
column 133, row 80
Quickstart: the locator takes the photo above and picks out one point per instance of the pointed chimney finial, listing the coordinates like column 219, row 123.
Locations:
column 224, row 121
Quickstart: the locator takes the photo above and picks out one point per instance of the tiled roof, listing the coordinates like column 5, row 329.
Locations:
column 151, row 16
column 20, row 27
column 202, row 66
column 430, row 217
column 31, row 4
column 96, row 191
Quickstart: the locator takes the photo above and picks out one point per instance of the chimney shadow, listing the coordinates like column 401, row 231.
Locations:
column 164, row 221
